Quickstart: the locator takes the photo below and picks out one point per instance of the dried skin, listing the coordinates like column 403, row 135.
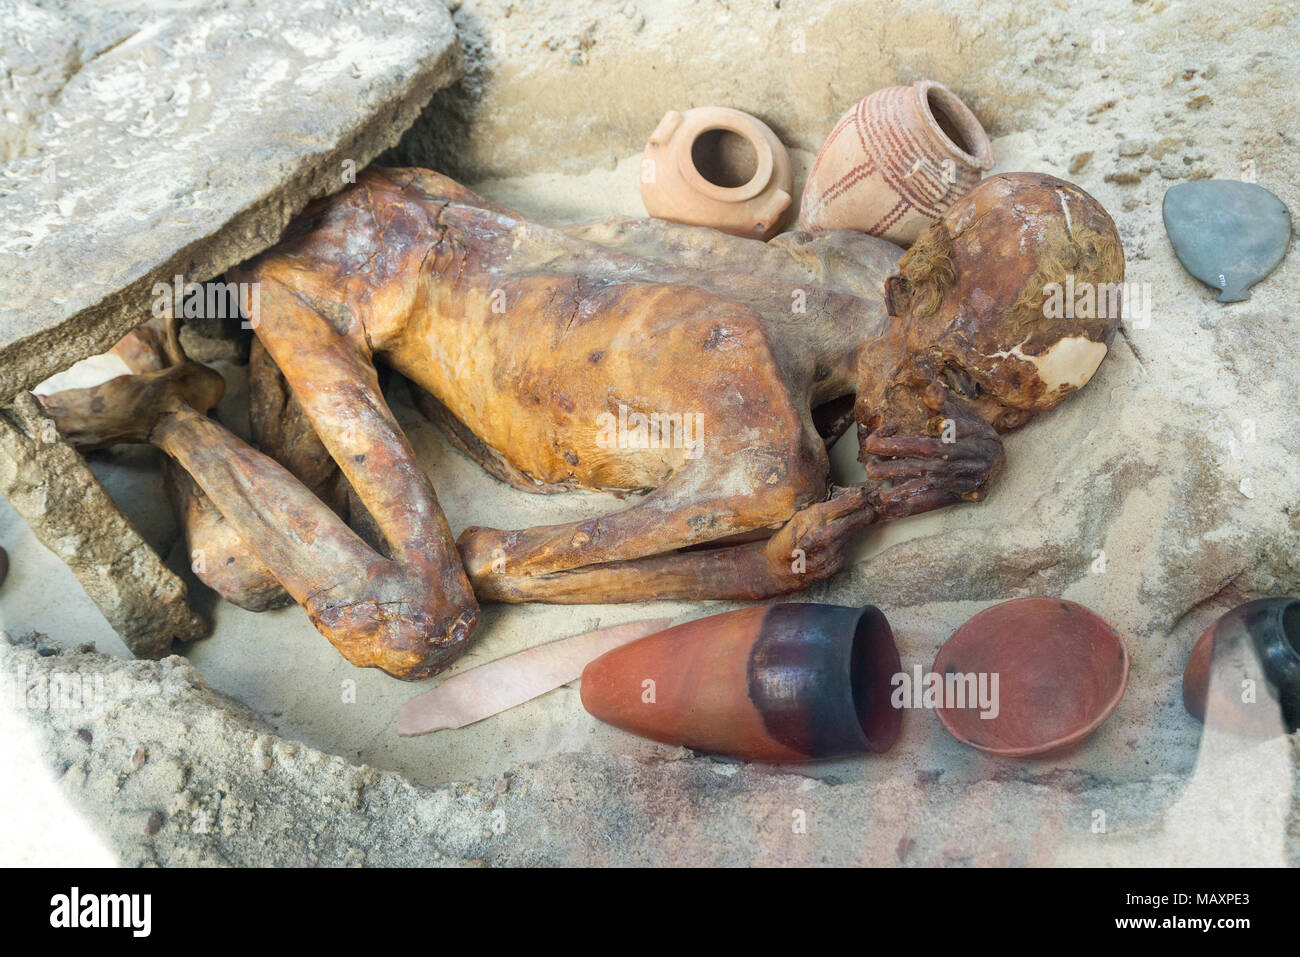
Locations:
column 525, row 336
column 218, row 556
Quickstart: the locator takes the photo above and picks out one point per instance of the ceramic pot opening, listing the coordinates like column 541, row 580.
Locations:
column 725, row 158
column 873, row 663
column 1291, row 627
column 965, row 136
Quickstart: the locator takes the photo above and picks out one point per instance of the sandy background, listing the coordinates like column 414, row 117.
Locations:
column 1149, row 463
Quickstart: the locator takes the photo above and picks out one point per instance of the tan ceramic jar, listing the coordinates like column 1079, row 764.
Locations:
column 722, row 143
column 895, row 162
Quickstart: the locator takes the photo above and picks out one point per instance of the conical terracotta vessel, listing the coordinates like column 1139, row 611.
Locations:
column 1243, row 674
column 786, row 682
column 895, row 162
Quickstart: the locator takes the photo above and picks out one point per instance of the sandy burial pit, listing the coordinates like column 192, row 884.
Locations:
column 1163, row 494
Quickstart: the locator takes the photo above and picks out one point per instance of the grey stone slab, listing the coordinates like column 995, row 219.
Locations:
column 53, row 488
column 143, row 143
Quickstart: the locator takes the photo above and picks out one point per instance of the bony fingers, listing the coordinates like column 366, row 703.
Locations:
column 897, row 468
column 960, row 431
column 917, row 495
column 822, row 522
column 920, row 468
column 906, row 445
column 850, row 501
column 947, row 441
column 955, row 465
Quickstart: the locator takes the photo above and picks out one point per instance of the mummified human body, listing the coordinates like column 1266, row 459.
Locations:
column 531, row 340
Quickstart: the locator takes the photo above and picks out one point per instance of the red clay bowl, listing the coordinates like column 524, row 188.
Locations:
column 1061, row 670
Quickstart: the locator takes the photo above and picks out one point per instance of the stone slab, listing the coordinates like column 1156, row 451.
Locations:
column 143, row 143
column 51, row 486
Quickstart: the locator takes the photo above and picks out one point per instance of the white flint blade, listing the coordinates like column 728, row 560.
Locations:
column 502, row 684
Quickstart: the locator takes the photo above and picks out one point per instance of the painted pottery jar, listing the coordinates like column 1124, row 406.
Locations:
column 895, row 162
column 1243, row 674
column 1056, row 671
column 719, row 167
column 784, row 682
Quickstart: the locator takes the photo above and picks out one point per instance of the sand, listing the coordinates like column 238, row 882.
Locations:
column 1179, row 462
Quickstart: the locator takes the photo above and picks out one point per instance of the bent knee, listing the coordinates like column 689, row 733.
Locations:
column 405, row 628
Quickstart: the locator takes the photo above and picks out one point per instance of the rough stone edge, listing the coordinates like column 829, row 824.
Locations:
column 50, row 485
column 96, row 328
column 265, row 800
